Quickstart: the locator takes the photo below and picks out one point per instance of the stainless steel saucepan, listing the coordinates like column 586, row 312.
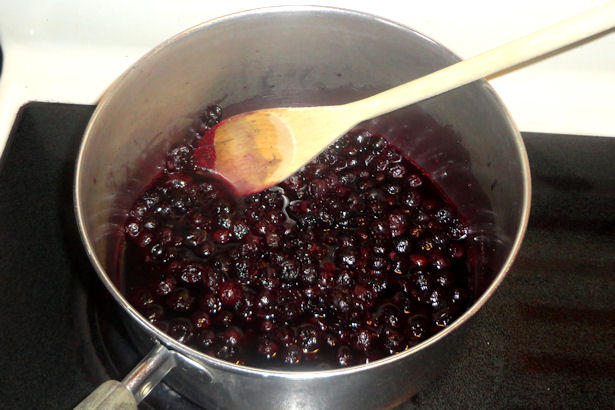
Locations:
column 299, row 55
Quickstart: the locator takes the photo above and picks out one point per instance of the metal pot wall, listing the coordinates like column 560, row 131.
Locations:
column 298, row 55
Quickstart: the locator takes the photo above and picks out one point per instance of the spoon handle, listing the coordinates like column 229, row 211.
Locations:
column 566, row 32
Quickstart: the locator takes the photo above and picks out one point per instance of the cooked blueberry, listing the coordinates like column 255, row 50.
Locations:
column 165, row 285
column 393, row 340
column 201, row 320
column 308, row 338
column 180, row 300
column 212, row 115
column 267, row 348
column 180, row 329
column 192, row 273
column 179, row 157
column 153, row 313
column 291, row 355
column 142, row 298
column 230, row 293
column 344, row 357
column 364, row 340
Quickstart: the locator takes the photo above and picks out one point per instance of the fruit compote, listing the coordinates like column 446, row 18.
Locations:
column 356, row 257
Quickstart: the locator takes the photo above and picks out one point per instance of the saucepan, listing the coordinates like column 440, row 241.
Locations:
column 467, row 143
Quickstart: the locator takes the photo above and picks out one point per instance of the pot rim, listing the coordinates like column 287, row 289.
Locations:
column 219, row 364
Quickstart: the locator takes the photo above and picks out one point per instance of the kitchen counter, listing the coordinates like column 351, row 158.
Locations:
column 545, row 339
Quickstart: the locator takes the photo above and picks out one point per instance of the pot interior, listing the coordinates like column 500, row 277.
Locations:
column 463, row 139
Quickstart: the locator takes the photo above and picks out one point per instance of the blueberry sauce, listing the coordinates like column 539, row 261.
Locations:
column 356, row 257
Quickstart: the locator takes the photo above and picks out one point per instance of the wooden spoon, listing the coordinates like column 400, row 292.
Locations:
column 258, row 149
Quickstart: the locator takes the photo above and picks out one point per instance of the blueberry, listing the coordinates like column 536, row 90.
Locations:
column 180, row 300
column 180, row 329
column 230, row 293
column 291, row 355
column 267, row 348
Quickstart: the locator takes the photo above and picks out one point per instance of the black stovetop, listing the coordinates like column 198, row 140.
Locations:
column 545, row 339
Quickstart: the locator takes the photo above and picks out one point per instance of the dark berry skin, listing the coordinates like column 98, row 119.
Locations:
column 142, row 298
column 292, row 355
column 230, row 293
column 344, row 356
column 192, row 273
column 364, row 340
column 180, row 329
column 309, row 338
column 267, row 348
column 201, row 321
column 180, row 300
column 354, row 258
column 165, row 285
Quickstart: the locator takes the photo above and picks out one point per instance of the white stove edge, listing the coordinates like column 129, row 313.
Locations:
column 70, row 51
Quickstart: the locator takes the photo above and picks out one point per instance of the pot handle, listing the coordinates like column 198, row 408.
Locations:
column 126, row 394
